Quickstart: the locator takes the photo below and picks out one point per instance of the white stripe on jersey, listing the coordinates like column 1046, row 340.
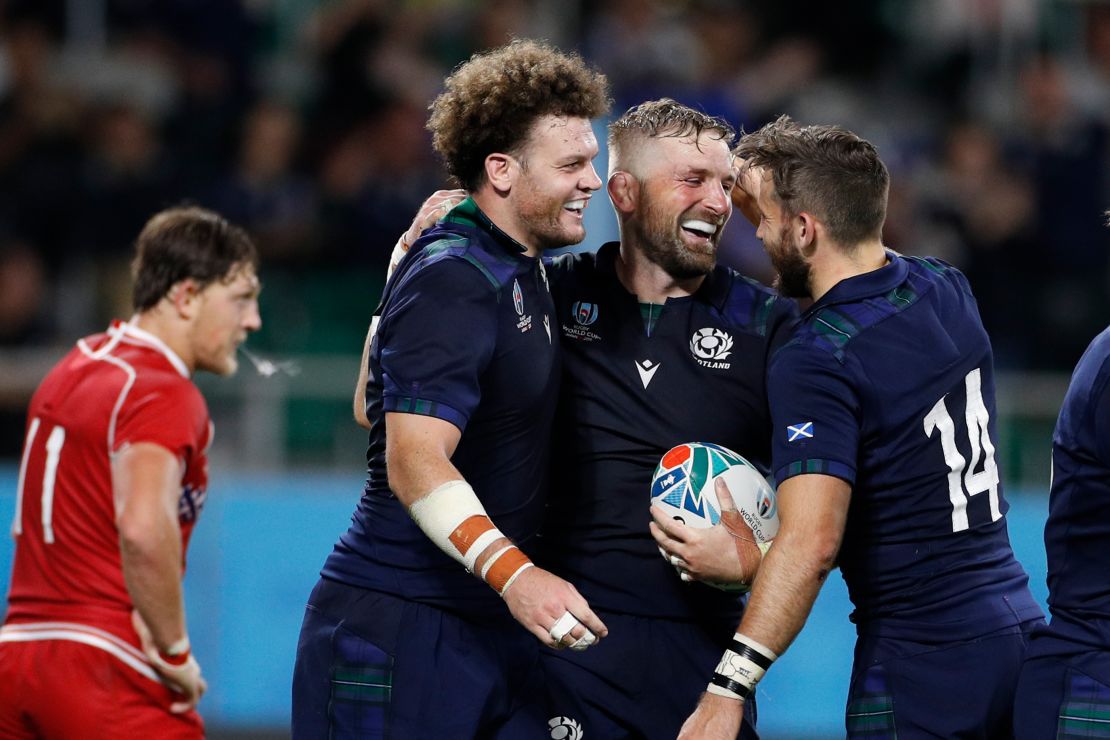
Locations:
column 74, row 632
column 17, row 522
column 130, row 332
column 102, row 354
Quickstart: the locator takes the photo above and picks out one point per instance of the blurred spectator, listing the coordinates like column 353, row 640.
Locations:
column 40, row 151
column 23, row 296
column 373, row 182
column 127, row 175
column 264, row 193
column 646, row 47
column 1067, row 150
column 112, row 110
column 981, row 218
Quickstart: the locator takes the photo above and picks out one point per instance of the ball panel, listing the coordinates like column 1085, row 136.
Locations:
column 675, row 457
column 683, row 487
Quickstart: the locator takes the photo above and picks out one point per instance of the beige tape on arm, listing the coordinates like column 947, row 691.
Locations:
column 455, row 520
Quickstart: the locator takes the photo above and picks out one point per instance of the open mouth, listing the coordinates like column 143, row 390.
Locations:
column 576, row 206
column 700, row 229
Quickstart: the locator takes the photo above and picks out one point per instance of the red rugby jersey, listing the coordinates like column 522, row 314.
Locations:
column 113, row 389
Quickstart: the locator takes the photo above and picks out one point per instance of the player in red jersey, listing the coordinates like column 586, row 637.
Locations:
column 112, row 478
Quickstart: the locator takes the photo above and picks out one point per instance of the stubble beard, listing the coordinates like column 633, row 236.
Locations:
column 794, row 278
column 540, row 216
column 662, row 243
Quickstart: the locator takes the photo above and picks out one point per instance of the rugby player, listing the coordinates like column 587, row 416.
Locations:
column 883, row 415
column 411, row 626
column 113, row 477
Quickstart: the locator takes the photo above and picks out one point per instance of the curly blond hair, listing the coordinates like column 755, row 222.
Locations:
column 491, row 101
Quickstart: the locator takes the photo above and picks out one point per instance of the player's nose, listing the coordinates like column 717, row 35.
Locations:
column 590, row 180
column 718, row 200
column 252, row 320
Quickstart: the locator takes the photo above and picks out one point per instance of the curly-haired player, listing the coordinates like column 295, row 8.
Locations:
column 406, row 629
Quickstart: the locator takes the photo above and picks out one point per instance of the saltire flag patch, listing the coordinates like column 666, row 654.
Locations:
column 802, row 430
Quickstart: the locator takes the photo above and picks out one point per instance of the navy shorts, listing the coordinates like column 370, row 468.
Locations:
column 642, row 681
column 371, row 665
column 906, row 689
column 1063, row 696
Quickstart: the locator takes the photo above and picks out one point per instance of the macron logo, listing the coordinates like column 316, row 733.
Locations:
column 799, row 431
column 647, row 369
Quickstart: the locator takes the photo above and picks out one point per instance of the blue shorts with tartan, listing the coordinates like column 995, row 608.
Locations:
column 642, row 681
column 1063, row 691
column 371, row 665
column 909, row 690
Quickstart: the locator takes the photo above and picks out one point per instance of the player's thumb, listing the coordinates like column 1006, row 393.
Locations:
column 724, row 496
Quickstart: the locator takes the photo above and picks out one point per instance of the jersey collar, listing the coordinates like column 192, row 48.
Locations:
column 877, row 282
column 469, row 214
column 128, row 329
column 713, row 290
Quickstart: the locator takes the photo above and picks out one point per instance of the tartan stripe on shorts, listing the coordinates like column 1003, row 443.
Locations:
column 870, row 714
column 1085, row 711
column 361, row 686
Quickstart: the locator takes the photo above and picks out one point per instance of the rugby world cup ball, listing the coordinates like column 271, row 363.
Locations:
column 683, row 487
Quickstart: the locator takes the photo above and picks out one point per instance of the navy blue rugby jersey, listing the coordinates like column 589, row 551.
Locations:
column 628, row 396
column 1078, row 529
column 888, row 383
column 466, row 335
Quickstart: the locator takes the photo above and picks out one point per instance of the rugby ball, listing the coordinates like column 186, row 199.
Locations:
column 683, row 487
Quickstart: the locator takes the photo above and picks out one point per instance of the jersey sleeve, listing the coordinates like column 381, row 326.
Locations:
column 815, row 415
column 1100, row 408
column 436, row 337
column 172, row 415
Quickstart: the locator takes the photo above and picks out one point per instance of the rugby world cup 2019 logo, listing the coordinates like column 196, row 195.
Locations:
column 518, row 298
column 525, row 322
column 711, row 347
column 765, row 504
column 584, row 313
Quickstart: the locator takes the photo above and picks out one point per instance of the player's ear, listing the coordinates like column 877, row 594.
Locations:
column 501, row 171
column 624, row 191
column 183, row 295
column 805, row 231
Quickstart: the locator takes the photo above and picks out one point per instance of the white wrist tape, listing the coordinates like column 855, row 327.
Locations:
column 455, row 520
column 178, row 648
column 397, row 254
column 741, row 667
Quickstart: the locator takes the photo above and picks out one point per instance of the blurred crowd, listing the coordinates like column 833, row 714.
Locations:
column 304, row 121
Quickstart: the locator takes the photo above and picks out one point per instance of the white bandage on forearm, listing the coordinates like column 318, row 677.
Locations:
column 455, row 520
column 741, row 667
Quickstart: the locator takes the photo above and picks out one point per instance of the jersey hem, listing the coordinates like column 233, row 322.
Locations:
column 423, row 407
column 80, row 633
column 816, row 466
